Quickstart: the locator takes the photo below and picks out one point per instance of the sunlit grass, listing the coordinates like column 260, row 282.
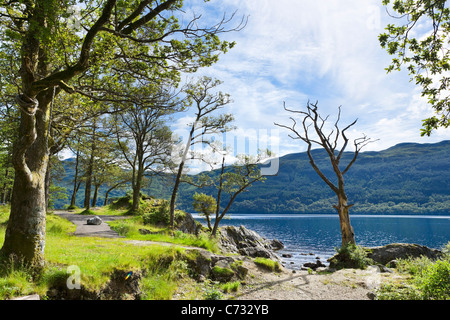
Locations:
column 96, row 259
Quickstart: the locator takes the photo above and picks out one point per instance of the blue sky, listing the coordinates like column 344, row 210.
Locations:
column 326, row 51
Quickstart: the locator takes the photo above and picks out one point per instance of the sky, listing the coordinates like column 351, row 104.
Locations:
column 295, row 51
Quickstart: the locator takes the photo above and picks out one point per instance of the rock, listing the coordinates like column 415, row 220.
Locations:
column 384, row 269
column 202, row 263
column 395, row 251
column 392, row 264
column 217, row 268
column 371, row 295
column 314, row 265
column 246, row 242
column 123, row 285
column 276, row 244
column 221, row 274
column 95, row 221
column 188, row 224
column 286, row 255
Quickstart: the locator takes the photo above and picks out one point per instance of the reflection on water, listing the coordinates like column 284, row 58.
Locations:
column 309, row 236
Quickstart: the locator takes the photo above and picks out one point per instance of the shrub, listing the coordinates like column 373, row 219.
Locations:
column 213, row 294
column 413, row 266
column 156, row 214
column 434, row 282
column 350, row 256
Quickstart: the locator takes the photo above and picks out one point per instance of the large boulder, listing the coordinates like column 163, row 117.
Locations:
column 205, row 265
column 248, row 243
column 394, row 251
column 95, row 221
column 187, row 224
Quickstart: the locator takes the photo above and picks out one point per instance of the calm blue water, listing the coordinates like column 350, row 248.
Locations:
column 320, row 234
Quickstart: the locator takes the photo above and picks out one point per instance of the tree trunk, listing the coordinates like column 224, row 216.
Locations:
column 76, row 184
column 90, row 171
column 219, row 198
column 137, row 182
column 73, row 199
column 173, row 199
column 87, row 190
column 94, row 199
column 25, row 233
column 347, row 233
column 47, row 184
column 136, row 195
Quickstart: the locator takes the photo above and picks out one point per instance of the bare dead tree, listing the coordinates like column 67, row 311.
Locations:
column 313, row 132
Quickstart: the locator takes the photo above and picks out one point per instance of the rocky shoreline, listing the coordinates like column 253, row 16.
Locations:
column 245, row 242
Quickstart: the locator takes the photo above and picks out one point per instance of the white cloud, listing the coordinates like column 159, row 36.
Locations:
column 328, row 51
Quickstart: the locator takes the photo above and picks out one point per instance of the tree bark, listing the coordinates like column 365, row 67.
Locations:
column 76, row 184
column 94, row 199
column 25, row 232
column 90, row 170
column 137, row 189
column 173, row 198
column 347, row 233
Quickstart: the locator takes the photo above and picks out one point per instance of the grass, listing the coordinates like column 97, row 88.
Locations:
column 129, row 228
column 231, row 286
column 162, row 267
column 428, row 280
column 268, row 264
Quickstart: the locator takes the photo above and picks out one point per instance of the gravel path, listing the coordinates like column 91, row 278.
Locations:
column 84, row 230
column 346, row 284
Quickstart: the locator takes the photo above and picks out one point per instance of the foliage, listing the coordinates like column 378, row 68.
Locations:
column 206, row 105
column 434, row 281
column 268, row 264
column 430, row 280
column 212, row 293
column 231, row 286
column 205, row 205
column 350, row 256
column 156, row 214
column 420, row 42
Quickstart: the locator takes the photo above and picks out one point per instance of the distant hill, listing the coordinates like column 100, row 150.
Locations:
column 408, row 178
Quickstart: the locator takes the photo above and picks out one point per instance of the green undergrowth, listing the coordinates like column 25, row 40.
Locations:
column 268, row 264
column 428, row 279
column 134, row 228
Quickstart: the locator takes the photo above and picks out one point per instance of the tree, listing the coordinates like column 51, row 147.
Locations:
column 145, row 142
column 330, row 142
column 204, row 124
column 206, row 206
column 425, row 54
column 116, row 40
column 116, row 177
column 235, row 181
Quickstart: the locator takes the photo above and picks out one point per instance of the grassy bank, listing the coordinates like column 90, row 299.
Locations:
column 162, row 269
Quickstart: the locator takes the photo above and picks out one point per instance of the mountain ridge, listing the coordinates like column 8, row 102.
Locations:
column 408, row 178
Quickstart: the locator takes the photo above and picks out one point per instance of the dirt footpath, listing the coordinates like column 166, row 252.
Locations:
column 84, row 230
column 346, row 284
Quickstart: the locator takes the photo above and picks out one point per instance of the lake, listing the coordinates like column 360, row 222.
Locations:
column 317, row 235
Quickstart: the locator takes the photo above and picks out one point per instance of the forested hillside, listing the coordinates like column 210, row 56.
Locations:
column 407, row 178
